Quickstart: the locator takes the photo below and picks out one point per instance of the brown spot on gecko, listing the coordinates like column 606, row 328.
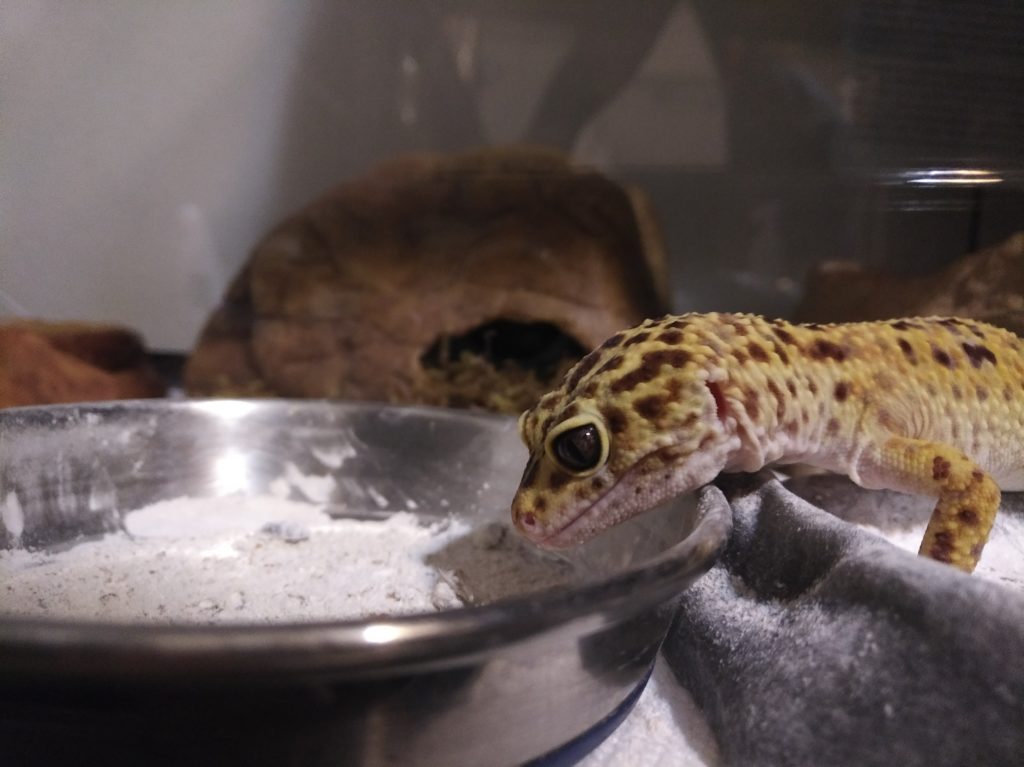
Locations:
column 781, row 352
column 978, row 354
column 739, row 356
column 982, row 393
column 650, row 368
column 558, row 480
column 670, row 337
column 886, row 420
column 842, row 391
column 977, row 475
column 957, row 393
column 791, row 387
column 942, row 357
column 942, row 548
column 674, row 357
column 639, row 338
column 583, row 367
column 613, row 341
column 613, row 363
column 883, row 381
column 631, row 380
column 812, row 387
column 530, row 475
column 823, row 349
column 540, row 504
column 833, row 427
column 908, row 351
column 785, row 336
column 968, row 516
column 757, row 352
column 615, row 418
column 940, row 468
column 651, row 407
column 1007, row 393
column 678, row 325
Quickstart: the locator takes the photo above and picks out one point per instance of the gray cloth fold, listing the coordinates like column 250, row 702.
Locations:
column 813, row 642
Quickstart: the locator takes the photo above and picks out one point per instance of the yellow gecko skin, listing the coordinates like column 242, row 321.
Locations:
column 933, row 406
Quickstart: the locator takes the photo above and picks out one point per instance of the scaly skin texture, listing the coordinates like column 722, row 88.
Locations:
column 933, row 406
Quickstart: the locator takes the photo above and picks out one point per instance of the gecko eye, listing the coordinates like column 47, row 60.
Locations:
column 578, row 445
column 578, row 449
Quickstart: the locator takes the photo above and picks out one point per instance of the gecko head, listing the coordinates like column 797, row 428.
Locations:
column 599, row 459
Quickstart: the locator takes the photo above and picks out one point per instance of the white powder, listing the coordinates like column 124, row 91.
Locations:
column 1002, row 559
column 666, row 729
column 902, row 518
column 11, row 515
column 315, row 488
column 267, row 559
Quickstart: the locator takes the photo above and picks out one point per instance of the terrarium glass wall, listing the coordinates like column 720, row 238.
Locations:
column 148, row 146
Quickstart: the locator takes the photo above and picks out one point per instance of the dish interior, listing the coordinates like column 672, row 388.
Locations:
column 70, row 475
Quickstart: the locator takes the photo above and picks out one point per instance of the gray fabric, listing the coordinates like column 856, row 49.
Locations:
column 815, row 643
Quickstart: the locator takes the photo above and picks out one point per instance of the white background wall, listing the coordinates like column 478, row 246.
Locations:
column 147, row 145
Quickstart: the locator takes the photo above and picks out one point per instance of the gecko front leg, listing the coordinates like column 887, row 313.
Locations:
column 968, row 497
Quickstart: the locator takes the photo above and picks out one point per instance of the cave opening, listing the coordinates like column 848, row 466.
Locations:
column 502, row 364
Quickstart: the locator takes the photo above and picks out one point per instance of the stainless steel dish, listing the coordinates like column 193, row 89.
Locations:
column 495, row 684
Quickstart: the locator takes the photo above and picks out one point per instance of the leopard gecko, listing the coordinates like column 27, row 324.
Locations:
column 933, row 406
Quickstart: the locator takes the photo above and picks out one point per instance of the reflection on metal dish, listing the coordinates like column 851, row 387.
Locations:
column 494, row 684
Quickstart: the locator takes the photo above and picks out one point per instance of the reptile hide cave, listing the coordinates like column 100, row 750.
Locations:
column 467, row 280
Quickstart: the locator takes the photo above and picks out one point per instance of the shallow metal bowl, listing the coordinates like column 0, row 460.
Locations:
column 494, row 684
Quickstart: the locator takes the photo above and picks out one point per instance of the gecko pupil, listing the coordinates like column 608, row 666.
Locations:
column 579, row 449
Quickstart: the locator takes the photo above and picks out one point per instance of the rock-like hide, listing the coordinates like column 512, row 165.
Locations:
column 470, row 280
column 43, row 363
column 987, row 285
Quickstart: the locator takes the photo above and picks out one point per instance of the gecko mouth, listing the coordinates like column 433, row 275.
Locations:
column 569, row 534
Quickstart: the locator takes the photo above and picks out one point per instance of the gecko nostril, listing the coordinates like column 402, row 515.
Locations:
column 529, row 519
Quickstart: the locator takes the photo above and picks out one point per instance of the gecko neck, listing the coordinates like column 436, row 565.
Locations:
column 764, row 423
